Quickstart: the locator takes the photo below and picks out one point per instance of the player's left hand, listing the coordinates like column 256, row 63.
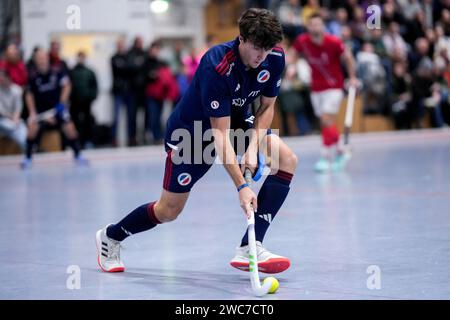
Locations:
column 250, row 161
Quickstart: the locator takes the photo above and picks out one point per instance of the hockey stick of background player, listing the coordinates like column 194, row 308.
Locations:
column 349, row 118
column 45, row 115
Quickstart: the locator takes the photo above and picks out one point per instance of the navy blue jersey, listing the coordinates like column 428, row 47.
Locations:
column 223, row 87
column 46, row 89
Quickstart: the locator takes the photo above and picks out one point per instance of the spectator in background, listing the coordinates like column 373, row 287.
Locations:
column 390, row 13
column 376, row 39
column 84, row 92
column 421, row 52
column 442, row 41
column 14, row 66
column 439, row 96
column 290, row 15
column 311, row 8
column 48, row 92
column 351, row 43
column 181, row 72
column 30, row 65
column 358, row 25
column 373, row 76
column 423, row 78
column 396, row 47
column 415, row 28
column 401, row 95
column 445, row 21
column 120, row 90
column 137, row 80
column 11, row 104
column 56, row 62
column 338, row 22
column 161, row 86
column 294, row 93
column 263, row 4
column 427, row 7
column 190, row 63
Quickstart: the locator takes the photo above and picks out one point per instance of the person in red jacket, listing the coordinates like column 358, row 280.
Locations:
column 13, row 64
column 161, row 86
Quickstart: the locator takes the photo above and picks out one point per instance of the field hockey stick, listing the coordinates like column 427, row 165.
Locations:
column 258, row 289
column 45, row 115
column 349, row 118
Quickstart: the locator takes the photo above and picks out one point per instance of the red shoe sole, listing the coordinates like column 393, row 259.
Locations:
column 119, row 269
column 270, row 266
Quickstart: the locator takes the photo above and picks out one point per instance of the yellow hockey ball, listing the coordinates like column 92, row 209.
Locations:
column 274, row 286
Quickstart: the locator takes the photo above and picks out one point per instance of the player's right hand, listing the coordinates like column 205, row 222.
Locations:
column 50, row 121
column 248, row 201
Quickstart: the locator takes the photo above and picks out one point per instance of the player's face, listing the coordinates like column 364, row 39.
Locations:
column 316, row 27
column 41, row 60
column 251, row 55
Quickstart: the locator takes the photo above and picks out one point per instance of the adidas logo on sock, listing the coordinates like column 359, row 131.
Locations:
column 267, row 217
column 126, row 231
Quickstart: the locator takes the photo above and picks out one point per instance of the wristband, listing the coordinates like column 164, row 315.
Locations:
column 242, row 186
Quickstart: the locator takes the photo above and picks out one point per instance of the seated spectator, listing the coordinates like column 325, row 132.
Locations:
column 312, row 7
column 294, row 93
column 14, row 65
column 347, row 38
column 11, row 125
column 373, row 76
column 442, row 41
column 290, row 15
column 336, row 24
column 423, row 79
column 358, row 25
column 396, row 47
column 422, row 51
column 401, row 96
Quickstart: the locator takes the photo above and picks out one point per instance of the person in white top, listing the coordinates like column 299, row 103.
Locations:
column 11, row 105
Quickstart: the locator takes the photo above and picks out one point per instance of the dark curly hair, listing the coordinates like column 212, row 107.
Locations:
column 261, row 27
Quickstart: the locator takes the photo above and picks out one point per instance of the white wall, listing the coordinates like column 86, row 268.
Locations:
column 43, row 19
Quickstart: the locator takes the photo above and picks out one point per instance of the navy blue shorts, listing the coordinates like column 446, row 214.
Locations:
column 181, row 177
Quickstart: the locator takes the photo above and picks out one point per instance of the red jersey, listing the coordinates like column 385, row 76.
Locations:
column 17, row 72
column 324, row 60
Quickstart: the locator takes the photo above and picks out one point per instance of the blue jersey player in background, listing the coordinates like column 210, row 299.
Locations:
column 229, row 78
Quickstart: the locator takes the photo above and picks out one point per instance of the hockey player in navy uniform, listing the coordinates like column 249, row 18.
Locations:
column 230, row 77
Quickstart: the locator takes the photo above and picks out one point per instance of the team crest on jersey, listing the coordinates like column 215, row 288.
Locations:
column 184, row 179
column 263, row 76
column 214, row 104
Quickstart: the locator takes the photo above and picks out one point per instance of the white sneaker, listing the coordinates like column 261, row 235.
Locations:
column 267, row 261
column 108, row 251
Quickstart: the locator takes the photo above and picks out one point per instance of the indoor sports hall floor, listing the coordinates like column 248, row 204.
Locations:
column 389, row 212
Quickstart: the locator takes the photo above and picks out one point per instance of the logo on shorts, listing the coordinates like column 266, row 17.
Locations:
column 184, row 179
column 263, row 76
column 214, row 104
